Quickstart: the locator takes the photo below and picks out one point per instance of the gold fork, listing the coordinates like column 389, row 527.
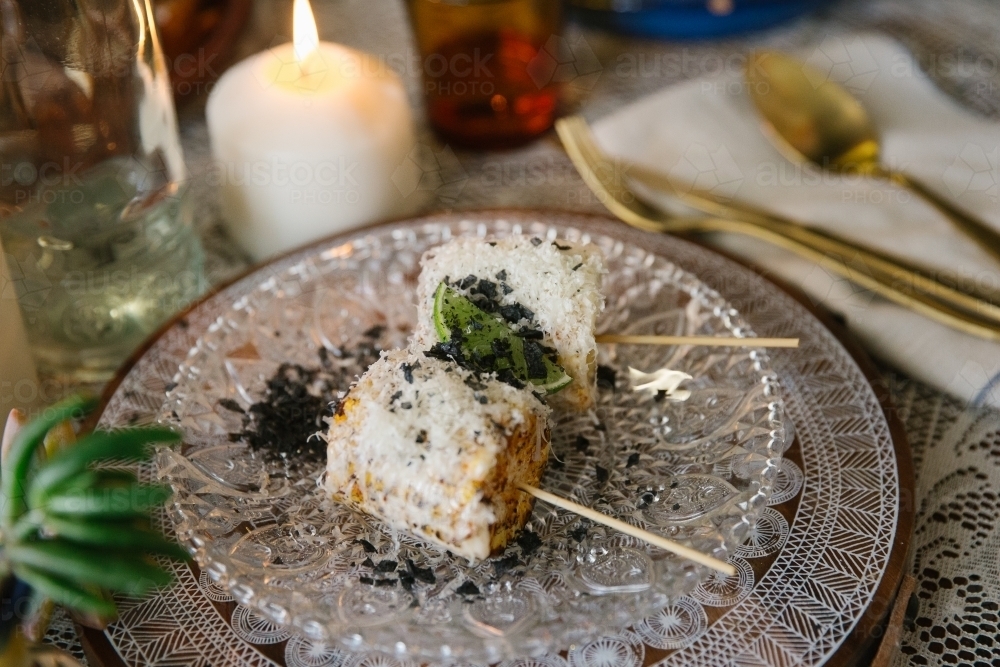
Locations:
column 877, row 273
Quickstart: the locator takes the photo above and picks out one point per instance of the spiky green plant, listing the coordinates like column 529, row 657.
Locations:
column 73, row 531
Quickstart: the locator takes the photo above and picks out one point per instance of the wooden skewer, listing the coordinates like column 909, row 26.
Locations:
column 710, row 341
column 621, row 526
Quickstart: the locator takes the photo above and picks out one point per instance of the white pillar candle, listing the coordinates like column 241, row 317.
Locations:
column 306, row 139
column 18, row 383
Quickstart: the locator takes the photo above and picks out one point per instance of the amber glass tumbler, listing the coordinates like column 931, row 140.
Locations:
column 487, row 74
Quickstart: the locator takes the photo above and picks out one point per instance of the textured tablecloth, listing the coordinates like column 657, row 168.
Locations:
column 956, row 547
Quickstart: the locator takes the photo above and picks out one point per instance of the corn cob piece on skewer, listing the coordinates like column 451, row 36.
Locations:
column 436, row 450
column 548, row 291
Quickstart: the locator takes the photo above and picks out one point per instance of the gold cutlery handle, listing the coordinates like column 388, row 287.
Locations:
column 982, row 303
column 860, row 272
column 606, row 181
column 984, row 235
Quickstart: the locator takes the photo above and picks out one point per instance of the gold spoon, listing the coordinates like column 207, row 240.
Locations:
column 814, row 119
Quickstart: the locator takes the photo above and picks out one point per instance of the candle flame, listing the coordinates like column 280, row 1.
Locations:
column 305, row 37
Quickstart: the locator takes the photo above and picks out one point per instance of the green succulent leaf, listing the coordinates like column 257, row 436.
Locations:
column 114, row 535
column 127, row 445
column 27, row 440
column 65, row 592
column 108, row 502
column 87, row 566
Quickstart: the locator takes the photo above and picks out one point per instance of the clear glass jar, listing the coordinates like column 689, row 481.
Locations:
column 95, row 225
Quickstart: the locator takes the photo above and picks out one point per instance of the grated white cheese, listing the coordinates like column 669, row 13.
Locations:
column 560, row 283
column 437, row 456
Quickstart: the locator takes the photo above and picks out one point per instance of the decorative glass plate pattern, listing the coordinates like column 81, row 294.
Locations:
column 699, row 471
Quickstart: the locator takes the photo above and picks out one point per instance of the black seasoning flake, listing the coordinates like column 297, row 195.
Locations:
column 296, row 403
column 395, row 397
column 231, row 405
column 633, row 459
column 507, row 375
column 386, row 566
column 578, row 266
column 491, row 244
column 579, row 533
column 424, row 574
column 170, row 387
column 501, row 348
column 467, row 588
column 406, row 405
column 367, row 546
column 511, row 313
column 505, row 288
column 529, row 542
column 487, row 288
column 447, row 351
column 406, row 581
column 375, row 332
column 407, row 369
column 645, row 499
column 474, row 383
column 561, row 247
column 421, row 437
column 535, row 241
column 534, row 358
column 531, row 334
column 483, row 400
column 467, row 282
column 582, row 444
column 366, row 580
column 606, row 377
column 368, row 563
column 602, row 475
column 384, row 583
column 660, row 396
column 235, row 437
column 502, row 275
column 505, row 565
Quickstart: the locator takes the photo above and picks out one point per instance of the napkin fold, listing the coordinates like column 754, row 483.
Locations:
column 706, row 133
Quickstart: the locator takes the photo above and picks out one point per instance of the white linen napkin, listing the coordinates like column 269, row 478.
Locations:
column 707, row 133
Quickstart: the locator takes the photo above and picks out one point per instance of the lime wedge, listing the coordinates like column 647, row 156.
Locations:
column 490, row 345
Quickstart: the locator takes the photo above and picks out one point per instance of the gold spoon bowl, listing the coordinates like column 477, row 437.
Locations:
column 810, row 118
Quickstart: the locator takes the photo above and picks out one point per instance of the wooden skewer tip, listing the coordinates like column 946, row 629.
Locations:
column 709, row 341
column 651, row 538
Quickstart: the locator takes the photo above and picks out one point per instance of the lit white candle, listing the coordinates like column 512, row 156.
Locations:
column 306, row 138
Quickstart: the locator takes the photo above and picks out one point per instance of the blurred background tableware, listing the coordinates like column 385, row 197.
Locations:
column 198, row 39
column 18, row 382
column 489, row 68
column 307, row 138
column 94, row 220
column 687, row 19
column 810, row 117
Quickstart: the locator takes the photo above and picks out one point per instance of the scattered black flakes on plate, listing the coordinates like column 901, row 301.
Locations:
column 606, row 377
column 423, row 574
column 367, row 546
column 602, row 475
column 529, row 542
column 467, row 588
column 502, row 566
column 297, row 401
column 386, row 566
column 231, row 405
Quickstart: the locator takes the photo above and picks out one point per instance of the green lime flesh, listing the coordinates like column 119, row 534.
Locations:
column 481, row 331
